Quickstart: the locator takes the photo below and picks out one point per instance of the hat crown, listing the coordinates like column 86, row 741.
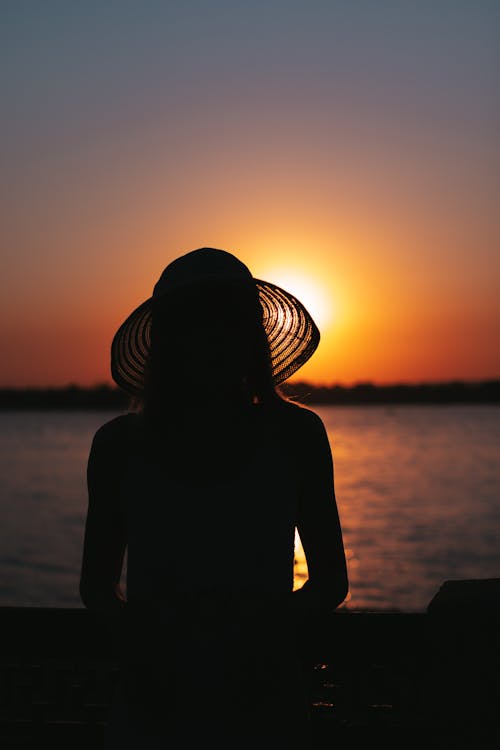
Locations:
column 201, row 266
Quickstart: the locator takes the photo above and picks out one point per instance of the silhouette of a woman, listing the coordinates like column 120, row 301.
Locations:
column 203, row 485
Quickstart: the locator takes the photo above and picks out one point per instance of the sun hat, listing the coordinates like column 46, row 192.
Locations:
column 292, row 333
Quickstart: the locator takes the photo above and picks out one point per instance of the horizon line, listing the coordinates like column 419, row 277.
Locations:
column 305, row 382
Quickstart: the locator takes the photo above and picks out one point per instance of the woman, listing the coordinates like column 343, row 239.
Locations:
column 203, row 485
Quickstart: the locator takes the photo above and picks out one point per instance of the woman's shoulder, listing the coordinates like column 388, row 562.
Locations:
column 117, row 431
column 299, row 431
column 298, row 418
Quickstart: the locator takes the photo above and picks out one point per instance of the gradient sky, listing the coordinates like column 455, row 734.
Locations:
column 346, row 150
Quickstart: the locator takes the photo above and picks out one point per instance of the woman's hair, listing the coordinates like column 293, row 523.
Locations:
column 205, row 340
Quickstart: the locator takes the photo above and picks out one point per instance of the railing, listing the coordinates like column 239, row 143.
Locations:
column 407, row 680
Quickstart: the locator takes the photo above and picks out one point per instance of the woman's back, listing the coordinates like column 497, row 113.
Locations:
column 210, row 525
column 220, row 517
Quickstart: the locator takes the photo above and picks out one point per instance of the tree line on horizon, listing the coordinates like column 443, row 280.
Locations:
column 113, row 398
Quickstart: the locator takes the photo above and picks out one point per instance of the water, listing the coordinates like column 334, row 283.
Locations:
column 418, row 490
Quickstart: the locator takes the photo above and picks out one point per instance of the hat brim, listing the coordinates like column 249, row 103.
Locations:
column 291, row 331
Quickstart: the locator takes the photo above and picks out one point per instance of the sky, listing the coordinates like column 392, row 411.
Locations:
column 347, row 150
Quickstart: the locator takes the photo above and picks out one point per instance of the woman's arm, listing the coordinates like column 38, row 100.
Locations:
column 105, row 532
column 318, row 522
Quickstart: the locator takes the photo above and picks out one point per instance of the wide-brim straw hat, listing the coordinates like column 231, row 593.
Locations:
column 291, row 331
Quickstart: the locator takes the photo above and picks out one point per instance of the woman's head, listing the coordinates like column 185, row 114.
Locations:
column 209, row 339
column 210, row 323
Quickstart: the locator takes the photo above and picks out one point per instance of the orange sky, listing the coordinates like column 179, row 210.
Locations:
column 359, row 168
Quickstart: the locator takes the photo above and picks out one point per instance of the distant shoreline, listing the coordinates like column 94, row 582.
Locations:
column 107, row 397
column 365, row 394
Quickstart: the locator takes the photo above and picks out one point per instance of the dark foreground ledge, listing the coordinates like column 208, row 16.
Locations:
column 405, row 680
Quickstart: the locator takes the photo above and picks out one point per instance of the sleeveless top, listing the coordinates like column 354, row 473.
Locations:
column 210, row 562
column 233, row 534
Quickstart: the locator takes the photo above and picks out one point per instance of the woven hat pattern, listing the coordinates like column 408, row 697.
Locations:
column 130, row 350
column 292, row 334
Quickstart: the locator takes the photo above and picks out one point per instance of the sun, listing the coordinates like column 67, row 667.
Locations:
column 308, row 290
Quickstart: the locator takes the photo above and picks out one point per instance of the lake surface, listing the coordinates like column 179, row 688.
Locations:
column 418, row 490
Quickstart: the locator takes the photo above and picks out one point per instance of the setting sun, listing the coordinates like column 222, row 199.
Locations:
column 310, row 292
